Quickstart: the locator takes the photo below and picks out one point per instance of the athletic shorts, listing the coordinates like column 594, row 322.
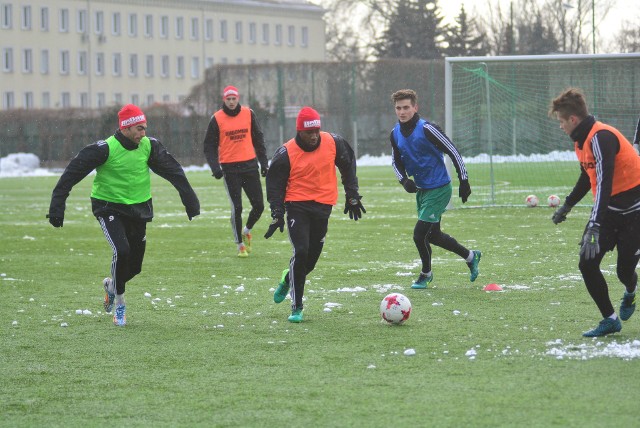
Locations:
column 432, row 203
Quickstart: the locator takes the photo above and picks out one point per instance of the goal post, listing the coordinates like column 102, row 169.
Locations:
column 496, row 114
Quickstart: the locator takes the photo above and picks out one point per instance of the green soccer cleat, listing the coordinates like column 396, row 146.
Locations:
column 422, row 282
column 296, row 316
column 627, row 306
column 606, row 326
column 283, row 288
column 473, row 266
column 246, row 240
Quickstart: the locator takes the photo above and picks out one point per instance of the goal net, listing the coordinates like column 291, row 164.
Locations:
column 496, row 114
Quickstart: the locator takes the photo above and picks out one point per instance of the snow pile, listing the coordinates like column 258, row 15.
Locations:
column 21, row 165
column 626, row 350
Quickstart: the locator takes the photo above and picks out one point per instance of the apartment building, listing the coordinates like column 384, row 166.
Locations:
column 96, row 53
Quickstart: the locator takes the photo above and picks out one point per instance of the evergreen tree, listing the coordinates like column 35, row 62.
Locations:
column 414, row 30
column 465, row 38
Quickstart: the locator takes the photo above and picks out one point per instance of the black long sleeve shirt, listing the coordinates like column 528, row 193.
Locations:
column 92, row 156
column 212, row 144
column 278, row 176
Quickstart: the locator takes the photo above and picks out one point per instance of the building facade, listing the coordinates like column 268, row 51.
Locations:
column 97, row 53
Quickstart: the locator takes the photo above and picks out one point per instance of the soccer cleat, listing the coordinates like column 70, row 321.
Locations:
column 627, row 306
column 296, row 316
column 422, row 282
column 242, row 252
column 109, row 296
column 120, row 318
column 246, row 240
column 473, row 266
column 283, row 288
column 606, row 326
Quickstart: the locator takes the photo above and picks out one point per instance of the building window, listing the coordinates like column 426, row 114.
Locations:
column 44, row 61
column 305, row 37
column 208, row 62
column 28, row 100
column 84, row 100
column 238, row 31
column 82, row 62
column 166, row 98
column 164, row 66
column 133, row 65
column 278, row 37
column 65, row 99
column 180, row 67
column 195, row 29
column 252, row 32
column 148, row 66
column 179, row 27
column 265, row 34
column 26, row 17
column 46, row 100
column 99, row 64
column 117, row 98
column 195, row 67
column 208, row 29
column 223, row 30
column 117, row 64
column 148, row 25
column 64, row 62
column 82, row 21
column 64, row 21
column 150, row 99
column 291, row 40
column 7, row 100
column 135, row 99
column 44, row 19
column 164, row 27
column 99, row 22
column 102, row 100
column 7, row 15
column 133, row 25
column 115, row 24
column 7, row 60
column 27, row 61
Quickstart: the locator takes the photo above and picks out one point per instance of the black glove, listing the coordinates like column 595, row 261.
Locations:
column 218, row 174
column 354, row 207
column 276, row 223
column 560, row 214
column 409, row 185
column 192, row 213
column 590, row 246
column 464, row 191
column 55, row 221
column 264, row 170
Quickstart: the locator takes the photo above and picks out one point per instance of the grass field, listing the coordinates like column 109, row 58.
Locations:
column 206, row 346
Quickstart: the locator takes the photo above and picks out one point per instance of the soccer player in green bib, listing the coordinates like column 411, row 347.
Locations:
column 418, row 149
column 121, row 196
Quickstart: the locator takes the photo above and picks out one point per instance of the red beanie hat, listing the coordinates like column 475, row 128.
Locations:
column 130, row 115
column 230, row 91
column 308, row 119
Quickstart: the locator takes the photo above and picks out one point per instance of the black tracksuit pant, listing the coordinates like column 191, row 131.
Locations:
column 235, row 182
column 128, row 240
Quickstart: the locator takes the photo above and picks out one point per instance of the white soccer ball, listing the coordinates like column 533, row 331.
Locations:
column 553, row 201
column 531, row 201
column 395, row 308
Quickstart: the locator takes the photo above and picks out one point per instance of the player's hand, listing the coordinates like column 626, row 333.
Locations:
column 464, row 191
column 560, row 214
column 55, row 221
column 590, row 245
column 276, row 223
column 218, row 174
column 409, row 185
column 354, row 207
column 264, row 170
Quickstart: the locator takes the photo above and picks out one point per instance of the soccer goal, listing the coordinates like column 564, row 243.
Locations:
column 496, row 114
